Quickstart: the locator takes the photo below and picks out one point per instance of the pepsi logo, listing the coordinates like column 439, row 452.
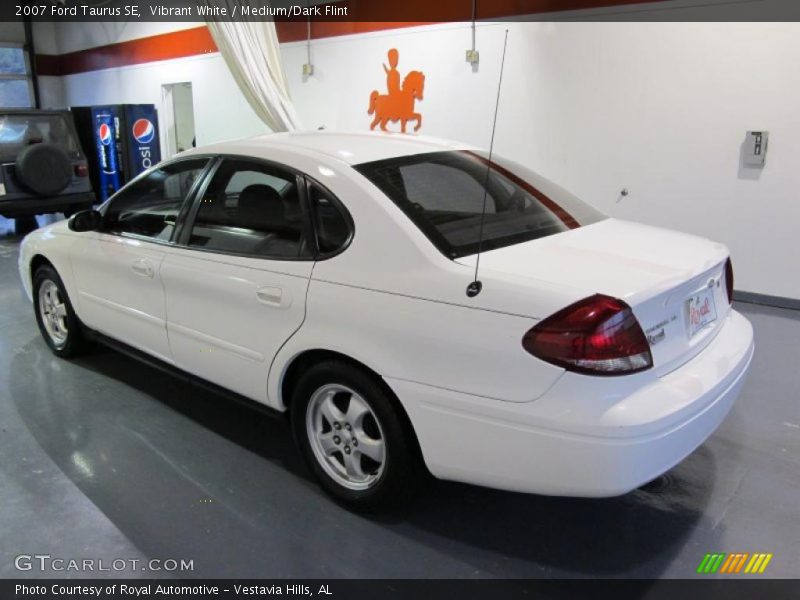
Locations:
column 143, row 131
column 104, row 132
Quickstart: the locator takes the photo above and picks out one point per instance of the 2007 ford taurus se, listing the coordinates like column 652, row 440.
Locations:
column 331, row 277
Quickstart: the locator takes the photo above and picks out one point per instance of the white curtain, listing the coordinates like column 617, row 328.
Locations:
column 252, row 53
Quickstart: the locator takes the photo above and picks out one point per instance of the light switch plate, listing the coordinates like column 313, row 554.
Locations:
column 755, row 148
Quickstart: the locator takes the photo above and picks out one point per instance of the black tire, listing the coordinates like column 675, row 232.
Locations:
column 399, row 473
column 45, row 169
column 73, row 342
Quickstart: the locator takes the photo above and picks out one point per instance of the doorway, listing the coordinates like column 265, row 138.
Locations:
column 178, row 117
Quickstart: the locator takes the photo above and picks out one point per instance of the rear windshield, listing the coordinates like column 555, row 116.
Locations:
column 20, row 130
column 443, row 194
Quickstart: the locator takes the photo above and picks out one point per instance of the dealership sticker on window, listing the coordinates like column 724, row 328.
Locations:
column 701, row 310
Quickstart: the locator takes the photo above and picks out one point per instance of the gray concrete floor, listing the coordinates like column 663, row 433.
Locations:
column 105, row 458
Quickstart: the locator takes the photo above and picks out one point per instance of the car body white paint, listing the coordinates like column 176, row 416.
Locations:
column 483, row 409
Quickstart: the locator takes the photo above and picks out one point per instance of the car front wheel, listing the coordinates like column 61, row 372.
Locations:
column 351, row 435
column 58, row 323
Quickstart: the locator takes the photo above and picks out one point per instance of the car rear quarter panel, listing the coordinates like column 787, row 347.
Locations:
column 453, row 347
column 394, row 303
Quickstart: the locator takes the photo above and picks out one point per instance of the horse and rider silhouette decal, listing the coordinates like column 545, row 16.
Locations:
column 398, row 103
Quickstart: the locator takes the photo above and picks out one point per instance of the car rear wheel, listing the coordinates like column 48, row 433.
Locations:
column 350, row 434
column 58, row 323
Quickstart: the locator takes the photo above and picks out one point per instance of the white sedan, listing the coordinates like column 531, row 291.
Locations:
column 331, row 277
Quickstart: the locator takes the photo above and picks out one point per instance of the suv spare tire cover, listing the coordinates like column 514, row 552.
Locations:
column 44, row 168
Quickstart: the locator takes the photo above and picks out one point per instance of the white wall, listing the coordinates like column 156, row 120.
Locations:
column 658, row 108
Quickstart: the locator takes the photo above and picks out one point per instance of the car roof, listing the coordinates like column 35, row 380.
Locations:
column 349, row 147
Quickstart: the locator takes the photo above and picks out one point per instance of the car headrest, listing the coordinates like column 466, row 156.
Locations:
column 260, row 207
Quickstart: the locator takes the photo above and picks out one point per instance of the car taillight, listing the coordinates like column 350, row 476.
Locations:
column 81, row 171
column 598, row 335
column 729, row 280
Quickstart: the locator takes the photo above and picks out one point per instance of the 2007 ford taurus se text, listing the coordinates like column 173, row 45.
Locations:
column 331, row 277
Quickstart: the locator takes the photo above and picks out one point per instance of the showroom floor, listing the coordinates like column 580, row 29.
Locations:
column 106, row 458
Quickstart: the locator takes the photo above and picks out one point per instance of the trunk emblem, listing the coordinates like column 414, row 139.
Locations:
column 654, row 338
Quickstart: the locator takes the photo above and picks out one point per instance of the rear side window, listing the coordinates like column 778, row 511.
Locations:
column 253, row 209
column 330, row 223
column 443, row 193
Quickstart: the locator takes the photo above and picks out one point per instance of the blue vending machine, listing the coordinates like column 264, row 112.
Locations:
column 119, row 140
column 97, row 132
column 139, row 144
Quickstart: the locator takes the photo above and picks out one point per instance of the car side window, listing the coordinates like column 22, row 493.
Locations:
column 150, row 206
column 333, row 230
column 253, row 209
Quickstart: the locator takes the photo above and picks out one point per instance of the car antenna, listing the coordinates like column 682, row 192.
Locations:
column 475, row 287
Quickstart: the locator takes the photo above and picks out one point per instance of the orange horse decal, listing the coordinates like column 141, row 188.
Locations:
column 398, row 104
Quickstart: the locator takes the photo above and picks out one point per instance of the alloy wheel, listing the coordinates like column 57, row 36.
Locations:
column 53, row 311
column 346, row 436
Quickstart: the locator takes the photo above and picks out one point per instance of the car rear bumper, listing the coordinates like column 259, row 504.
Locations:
column 594, row 445
column 26, row 207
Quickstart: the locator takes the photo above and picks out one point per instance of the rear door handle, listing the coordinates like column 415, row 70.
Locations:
column 143, row 267
column 273, row 296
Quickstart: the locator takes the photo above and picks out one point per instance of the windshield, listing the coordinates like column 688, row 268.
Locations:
column 20, row 130
column 443, row 194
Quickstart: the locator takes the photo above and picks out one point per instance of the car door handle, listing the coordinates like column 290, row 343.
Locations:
column 273, row 296
column 143, row 267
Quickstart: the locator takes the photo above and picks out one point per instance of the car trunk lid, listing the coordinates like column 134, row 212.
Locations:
column 674, row 282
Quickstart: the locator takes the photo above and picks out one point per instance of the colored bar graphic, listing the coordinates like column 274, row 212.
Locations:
column 703, row 563
column 758, row 563
column 714, row 563
column 720, row 562
column 765, row 563
column 726, row 566
column 741, row 562
column 753, row 564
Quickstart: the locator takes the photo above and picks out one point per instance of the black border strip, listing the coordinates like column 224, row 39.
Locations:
column 405, row 11
column 733, row 588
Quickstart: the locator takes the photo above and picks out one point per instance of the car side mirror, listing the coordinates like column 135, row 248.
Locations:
column 85, row 220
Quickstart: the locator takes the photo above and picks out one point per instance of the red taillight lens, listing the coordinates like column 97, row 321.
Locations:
column 598, row 335
column 729, row 280
column 81, row 170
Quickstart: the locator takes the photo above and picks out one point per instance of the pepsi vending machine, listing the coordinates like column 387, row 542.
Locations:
column 97, row 132
column 139, row 145
column 132, row 148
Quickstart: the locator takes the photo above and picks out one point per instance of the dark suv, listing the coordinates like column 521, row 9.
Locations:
column 42, row 167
